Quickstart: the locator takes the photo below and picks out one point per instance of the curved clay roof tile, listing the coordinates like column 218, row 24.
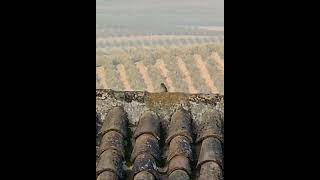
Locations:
column 180, row 145
column 149, row 123
column 146, row 143
column 116, row 120
column 210, row 126
column 145, row 162
column 111, row 161
column 112, row 140
column 180, row 125
column 211, row 150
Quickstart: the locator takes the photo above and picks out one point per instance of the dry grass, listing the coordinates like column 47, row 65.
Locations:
column 192, row 69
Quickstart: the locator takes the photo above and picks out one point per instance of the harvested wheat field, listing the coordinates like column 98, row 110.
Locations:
column 189, row 69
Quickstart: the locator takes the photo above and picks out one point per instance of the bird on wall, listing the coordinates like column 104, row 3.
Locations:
column 163, row 87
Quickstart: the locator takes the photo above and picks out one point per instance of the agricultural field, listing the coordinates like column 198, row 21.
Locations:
column 193, row 69
column 144, row 43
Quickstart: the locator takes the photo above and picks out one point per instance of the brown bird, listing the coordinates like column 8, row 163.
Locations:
column 163, row 88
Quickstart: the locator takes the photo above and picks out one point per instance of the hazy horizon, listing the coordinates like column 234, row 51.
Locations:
column 158, row 14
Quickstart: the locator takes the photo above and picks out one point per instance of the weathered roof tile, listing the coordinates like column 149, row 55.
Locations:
column 146, row 143
column 179, row 163
column 116, row 120
column 210, row 171
column 180, row 145
column 145, row 162
column 107, row 175
column 144, row 175
column 210, row 126
column 146, row 147
column 162, row 144
column 211, row 150
column 110, row 160
column 111, row 150
column 112, row 140
column 179, row 175
column 148, row 124
column 180, row 125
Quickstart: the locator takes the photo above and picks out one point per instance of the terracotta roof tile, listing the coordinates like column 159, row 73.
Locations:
column 116, row 120
column 145, row 162
column 179, row 175
column 112, row 140
column 111, row 150
column 180, row 125
column 107, row 175
column 180, row 146
column 144, row 175
column 111, row 161
column 211, row 150
column 210, row 126
column 179, row 163
column 148, row 124
column 210, row 171
column 146, row 147
column 149, row 137
column 146, row 143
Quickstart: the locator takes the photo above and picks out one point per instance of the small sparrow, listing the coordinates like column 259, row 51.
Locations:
column 163, row 88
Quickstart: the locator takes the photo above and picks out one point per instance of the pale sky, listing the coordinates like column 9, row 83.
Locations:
column 153, row 13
